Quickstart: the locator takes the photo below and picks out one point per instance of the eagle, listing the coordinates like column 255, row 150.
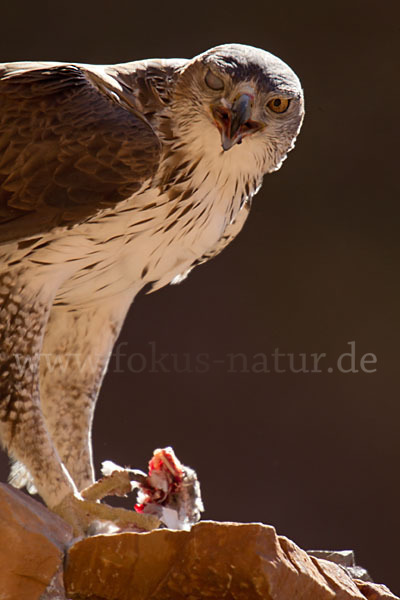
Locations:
column 114, row 179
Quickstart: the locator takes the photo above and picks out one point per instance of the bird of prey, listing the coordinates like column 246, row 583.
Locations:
column 114, row 178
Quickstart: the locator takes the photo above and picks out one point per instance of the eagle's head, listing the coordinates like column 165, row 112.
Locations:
column 239, row 102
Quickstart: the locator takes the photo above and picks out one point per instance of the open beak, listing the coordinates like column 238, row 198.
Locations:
column 234, row 123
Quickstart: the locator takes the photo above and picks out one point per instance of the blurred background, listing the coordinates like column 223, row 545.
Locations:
column 315, row 271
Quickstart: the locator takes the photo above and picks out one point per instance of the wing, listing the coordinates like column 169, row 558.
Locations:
column 72, row 143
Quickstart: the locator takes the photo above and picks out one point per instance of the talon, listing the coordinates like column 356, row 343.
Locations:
column 80, row 514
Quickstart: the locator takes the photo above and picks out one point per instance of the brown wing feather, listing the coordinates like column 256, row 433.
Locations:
column 70, row 145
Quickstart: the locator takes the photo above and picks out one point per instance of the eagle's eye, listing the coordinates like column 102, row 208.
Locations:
column 213, row 82
column 278, row 105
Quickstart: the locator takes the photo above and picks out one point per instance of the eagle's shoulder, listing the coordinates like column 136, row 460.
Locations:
column 73, row 141
column 150, row 82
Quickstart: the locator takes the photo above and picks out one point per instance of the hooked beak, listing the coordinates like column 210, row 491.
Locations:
column 235, row 123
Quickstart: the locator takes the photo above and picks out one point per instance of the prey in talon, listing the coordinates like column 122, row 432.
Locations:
column 170, row 491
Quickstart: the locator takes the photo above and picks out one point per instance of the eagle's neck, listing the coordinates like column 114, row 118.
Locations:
column 194, row 159
column 202, row 192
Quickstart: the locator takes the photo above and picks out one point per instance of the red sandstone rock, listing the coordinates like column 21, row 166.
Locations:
column 33, row 541
column 374, row 591
column 214, row 560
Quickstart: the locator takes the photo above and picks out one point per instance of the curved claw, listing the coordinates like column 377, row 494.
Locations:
column 80, row 514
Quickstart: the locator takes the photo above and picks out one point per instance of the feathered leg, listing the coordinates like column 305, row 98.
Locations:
column 76, row 350
column 23, row 317
column 23, row 427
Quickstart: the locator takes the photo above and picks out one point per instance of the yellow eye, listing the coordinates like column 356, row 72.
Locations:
column 278, row 105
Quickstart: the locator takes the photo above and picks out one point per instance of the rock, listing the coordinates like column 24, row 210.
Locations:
column 55, row 590
column 213, row 560
column 374, row 591
column 33, row 542
column 344, row 558
column 235, row 561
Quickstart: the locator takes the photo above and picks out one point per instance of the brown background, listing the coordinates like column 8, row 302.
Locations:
column 317, row 455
